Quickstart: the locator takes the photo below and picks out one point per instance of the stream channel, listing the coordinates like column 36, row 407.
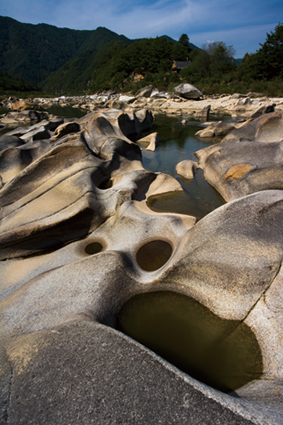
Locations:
column 177, row 143
column 221, row 353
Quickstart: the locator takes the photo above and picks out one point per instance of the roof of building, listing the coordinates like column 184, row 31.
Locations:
column 180, row 64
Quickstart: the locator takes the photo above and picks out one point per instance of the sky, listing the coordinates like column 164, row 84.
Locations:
column 242, row 24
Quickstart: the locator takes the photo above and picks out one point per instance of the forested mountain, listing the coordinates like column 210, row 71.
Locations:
column 111, row 66
column 72, row 62
column 65, row 61
column 32, row 52
column 150, row 59
column 13, row 84
column 74, row 77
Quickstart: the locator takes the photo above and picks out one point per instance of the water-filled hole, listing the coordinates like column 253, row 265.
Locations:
column 93, row 248
column 221, row 353
column 153, row 255
column 107, row 184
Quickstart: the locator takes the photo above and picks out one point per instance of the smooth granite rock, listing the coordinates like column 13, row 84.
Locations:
column 249, row 159
column 84, row 373
column 145, row 91
column 149, row 142
column 74, row 222
column 186, row 169
column 188, row 91
column 218, row 129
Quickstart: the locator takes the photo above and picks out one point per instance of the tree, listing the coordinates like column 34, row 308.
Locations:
column 184, row 39
column 182, row 48
column 219, row 51
column 179, row 52
column 270, row 56
column 267, row 62
column 221, row 57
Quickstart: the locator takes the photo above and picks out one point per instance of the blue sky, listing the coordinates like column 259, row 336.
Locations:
column 240, row 23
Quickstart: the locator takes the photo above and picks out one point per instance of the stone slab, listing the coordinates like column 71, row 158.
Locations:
column 86, row 373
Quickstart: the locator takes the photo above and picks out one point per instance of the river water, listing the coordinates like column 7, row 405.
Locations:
column 223, row 354
column 177, row 143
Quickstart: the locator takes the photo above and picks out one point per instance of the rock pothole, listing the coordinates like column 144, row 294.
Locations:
column 153, row 255
column 223, row 354
column 93, row 248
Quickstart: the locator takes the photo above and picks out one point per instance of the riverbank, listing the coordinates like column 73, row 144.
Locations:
column 239, row 106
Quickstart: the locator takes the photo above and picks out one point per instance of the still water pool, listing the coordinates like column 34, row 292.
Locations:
column 177, row 143
column 221, row 353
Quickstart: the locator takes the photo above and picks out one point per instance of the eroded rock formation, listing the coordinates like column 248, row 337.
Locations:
column 76, row 238
column 248, row 159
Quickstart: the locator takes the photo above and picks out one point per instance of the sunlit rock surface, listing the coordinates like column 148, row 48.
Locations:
column 188, row 91
column 186, row 169
column 77, row 240
column 249, row 159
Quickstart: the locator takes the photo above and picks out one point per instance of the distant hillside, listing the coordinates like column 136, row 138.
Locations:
column 145, row 61
column 33, row 52
column 12, row 84
column 113, row 63
column 75, row 76
column 238, row 61
column 66, row 61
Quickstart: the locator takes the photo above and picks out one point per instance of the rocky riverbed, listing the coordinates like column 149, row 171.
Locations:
column 237, row 105
column 76, row 242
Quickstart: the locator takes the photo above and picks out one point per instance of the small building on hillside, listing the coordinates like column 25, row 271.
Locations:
column 178, row 65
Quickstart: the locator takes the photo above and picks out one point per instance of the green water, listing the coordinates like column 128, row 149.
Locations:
column 153, row 255
column 93, row 248
column 60, row 111
column 66, row 111
column 177, row 143
column 3, row 110
column 221, row 353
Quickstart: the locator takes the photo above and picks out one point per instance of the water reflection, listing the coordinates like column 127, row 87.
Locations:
column 177, row 143
column 221, row 353
column 66, row 111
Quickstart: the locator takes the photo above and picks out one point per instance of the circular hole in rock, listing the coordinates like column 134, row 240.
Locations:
column 106, row 184
column 223, row 354
column 153, row 255
column 93, row 248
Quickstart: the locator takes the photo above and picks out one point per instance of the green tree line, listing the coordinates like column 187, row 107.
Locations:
column 126, row 65
column 9, row 85
column 212, row 68
column 151, row 59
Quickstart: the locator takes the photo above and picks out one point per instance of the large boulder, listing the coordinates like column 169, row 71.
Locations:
column 217, row 129
column 145, row 91
column 84, row 372
column 22, row 105
column 229, row 262
column 186, row 169
column 248, row 159
column 265, row 128
column 188, row 91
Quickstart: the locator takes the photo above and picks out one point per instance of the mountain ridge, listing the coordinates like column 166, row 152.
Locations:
column 32, row 52
column 64, row 60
